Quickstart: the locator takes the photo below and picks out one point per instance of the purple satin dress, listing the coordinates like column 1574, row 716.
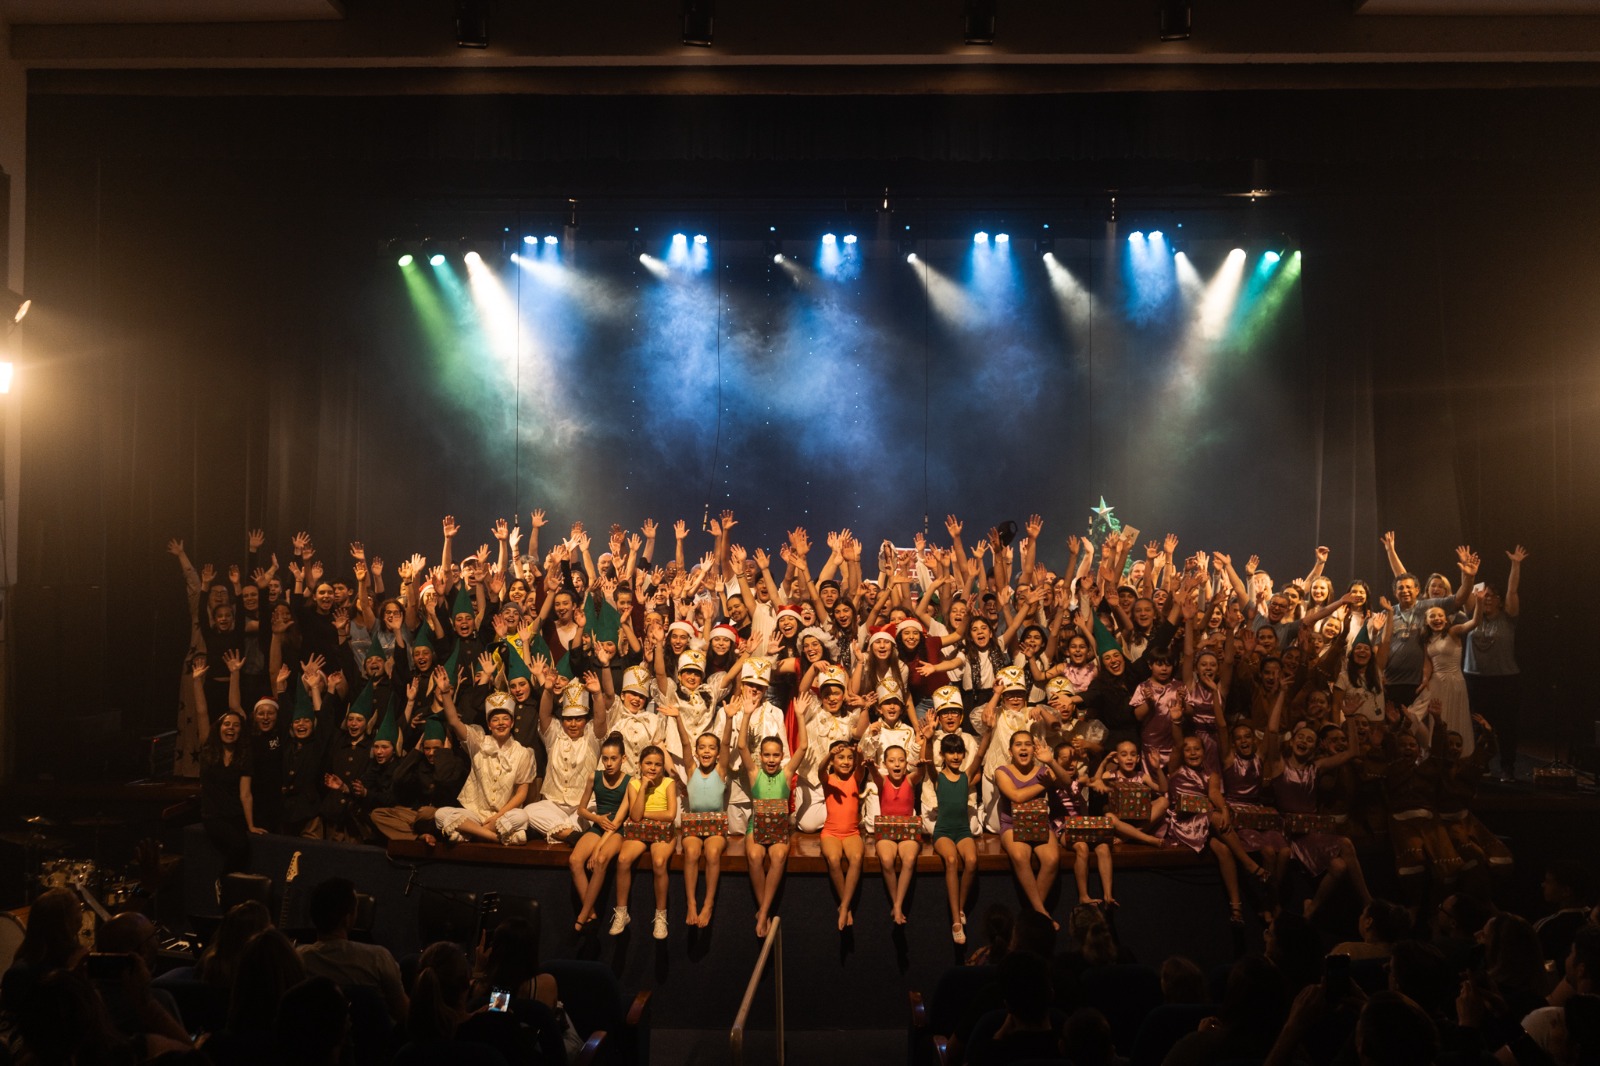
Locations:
column 1191, row 830
column 1296, row 793
column 1155, row 732
column 1201, row 714
column 1040, row 776
column 1241, row 787
column 1066, row 802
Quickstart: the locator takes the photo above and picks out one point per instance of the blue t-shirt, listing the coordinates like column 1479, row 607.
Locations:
column 1492, row 647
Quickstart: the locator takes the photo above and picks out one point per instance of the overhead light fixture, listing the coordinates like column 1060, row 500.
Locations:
column 698, row 16
column 16, row 306
column 978, row 23
column 472, row 23
column 1176, row 18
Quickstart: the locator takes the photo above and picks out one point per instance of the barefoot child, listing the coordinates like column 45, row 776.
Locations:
column 898, row 826
column 842, row 846
column 652, row 807
column 1021, row 809
column 600, row 841
column 705, row 817
column 1069, row 799
column 766, row 844
column 955, row 794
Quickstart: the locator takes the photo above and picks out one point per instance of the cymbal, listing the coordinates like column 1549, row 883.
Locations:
column 34, row 840
column 97, row 821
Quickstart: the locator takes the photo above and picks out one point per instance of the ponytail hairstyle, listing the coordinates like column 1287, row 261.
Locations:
column 443, row 978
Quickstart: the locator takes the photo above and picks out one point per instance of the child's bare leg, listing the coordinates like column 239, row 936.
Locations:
column 1102, row 854
column 1133, row 832
column 1230, row 875
column 1049, row 856
column 755, row 860
column 946, row 850
column 834, row 853
column 578, row 863
column 626, row 857
column 968, row 850
column 777, row 857
column 1021, row 856
column 854, row 849
column 908, row 852
column 714, row 849
column 661, row 870
column 886, row 851
column 604, row 853
column 691, row 874
column 1080, row 869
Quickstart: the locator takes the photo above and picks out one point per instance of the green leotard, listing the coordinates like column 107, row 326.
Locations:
column 607, row 801
column 951, row 797
column 770, row 787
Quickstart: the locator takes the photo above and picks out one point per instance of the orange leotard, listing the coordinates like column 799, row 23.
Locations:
column 843, row 799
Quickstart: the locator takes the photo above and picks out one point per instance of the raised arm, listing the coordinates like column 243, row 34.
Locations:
column 447, row 697
column 1513, row 601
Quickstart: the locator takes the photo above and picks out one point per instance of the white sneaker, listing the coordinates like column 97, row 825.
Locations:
column 619, row 920
column 513, row 839
column 659, row 931
column 452, row 835
column 958, row 933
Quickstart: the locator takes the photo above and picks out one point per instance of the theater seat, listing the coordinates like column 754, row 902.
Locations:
column 1163, row 1027
column 595, row 1001
column 1124, row 993
column 935, row 1015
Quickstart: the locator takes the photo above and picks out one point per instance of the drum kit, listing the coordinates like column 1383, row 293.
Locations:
column 46, row 864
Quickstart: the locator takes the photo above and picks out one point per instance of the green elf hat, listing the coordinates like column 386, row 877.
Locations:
column 453, row 661
column 516, row 666
column 461, row 603
column 423, row 638
column 362, row 704
column 302, row 702
column 1104, row 642
column 1362, row 637
column 388, row 729
column 433, row 728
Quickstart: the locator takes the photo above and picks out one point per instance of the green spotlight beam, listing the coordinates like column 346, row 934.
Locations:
column 1265, row 309
column 430, row 310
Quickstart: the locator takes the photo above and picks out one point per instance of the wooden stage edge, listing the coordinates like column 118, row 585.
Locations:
column 805, row 855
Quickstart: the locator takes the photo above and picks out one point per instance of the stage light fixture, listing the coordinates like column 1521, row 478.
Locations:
column 1135, row 236
column 1155, row 235
column 1176, row 20
column 911, row 257
column 777, row 257
column 472, row 23
column 406, row 260
column 16, row 306
column 1002, row 238
column 551, row 238
column 698, row 22
column 980, row 238
column 1271, row 257
column 828, row 238
column 849, row 238
column 472, row 257
column 978, row 21
column 530, row 239
column 679, row 238
column 700, row 238
column 436, row 259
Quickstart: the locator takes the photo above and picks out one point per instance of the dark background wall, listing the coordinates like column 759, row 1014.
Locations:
column 220, row 339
